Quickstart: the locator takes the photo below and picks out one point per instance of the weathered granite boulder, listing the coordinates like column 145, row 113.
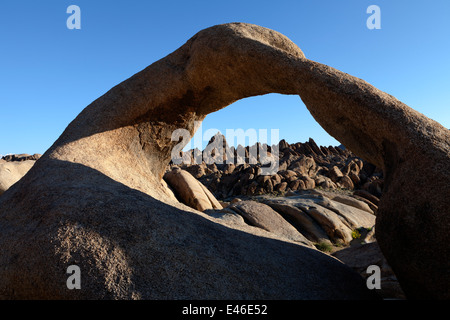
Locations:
column 262, row 216
column 190, row 191
column 315, row 215
column 11, row 172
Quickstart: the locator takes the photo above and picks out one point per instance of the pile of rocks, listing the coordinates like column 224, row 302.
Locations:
column 312, row 217
column 333, row 222
column 302, row 166
column 21, row 157
column 337, row 223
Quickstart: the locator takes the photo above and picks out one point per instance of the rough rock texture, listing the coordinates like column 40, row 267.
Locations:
column 96, row 198
column 190, row 191
column 315, row 215
column 351, row 201
column 263, row 216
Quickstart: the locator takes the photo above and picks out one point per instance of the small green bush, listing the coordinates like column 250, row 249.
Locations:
column 324, row 246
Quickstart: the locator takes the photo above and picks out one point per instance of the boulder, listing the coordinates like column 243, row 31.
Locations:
column 367, row 195
column 356, row 180
column 283, row 144
column 297, row 185
column 306, row 225
column 346, row 183
column 262, row 216
column 324, row 182
column 281, row 187
column 190, row 191
column 335, row 174
column 348, row 200
column 353, row 217
column 13, row 171
column 309, row 182
column 286, row 174
column 196, row 170
column 268, row 185
column 353, row 166
column 334, row 219
column 304, row 165
column 372, row 206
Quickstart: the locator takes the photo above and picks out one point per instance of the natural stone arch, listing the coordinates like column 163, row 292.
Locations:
column 96, row 196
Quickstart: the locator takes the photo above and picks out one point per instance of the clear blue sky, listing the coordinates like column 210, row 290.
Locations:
column 49, row 73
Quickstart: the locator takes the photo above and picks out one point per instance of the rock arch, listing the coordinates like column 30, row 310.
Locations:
column 96, row 197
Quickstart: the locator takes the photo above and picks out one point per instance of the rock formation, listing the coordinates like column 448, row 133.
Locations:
column 263, row 216
column 13, row 167
column 319, row 218
column 299, row 168
column 96, row 198
column 190, row 191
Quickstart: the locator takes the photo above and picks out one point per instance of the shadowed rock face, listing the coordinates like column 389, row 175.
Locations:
column 96, row 197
